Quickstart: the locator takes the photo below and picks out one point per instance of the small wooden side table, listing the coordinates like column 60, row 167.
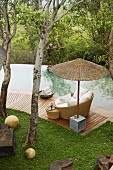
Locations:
column 53, row 114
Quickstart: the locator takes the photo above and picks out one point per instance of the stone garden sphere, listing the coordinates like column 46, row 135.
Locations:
column 30, row 153
column 12, row 121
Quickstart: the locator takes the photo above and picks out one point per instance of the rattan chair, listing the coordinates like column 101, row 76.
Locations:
column 67, row 112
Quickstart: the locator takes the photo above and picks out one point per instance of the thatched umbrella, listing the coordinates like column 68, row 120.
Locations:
column 80, row 70
column 2, row 56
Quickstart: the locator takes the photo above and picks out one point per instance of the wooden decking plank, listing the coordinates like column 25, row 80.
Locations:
column 23, row 102
column 95, row 121
column 94, row 124
column 65, row 123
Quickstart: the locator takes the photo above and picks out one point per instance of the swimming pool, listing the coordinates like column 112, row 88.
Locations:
column 22, row 81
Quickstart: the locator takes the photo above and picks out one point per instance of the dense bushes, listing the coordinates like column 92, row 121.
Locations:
column 78, row 45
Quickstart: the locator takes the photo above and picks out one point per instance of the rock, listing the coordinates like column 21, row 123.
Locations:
column 66, row 164
column 104, row 162
column 30, row 153
column 12, row 121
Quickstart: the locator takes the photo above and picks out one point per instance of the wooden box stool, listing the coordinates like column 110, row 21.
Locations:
column 53, row 114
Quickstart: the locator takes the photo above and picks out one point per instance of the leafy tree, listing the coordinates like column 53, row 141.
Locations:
column 96, row 17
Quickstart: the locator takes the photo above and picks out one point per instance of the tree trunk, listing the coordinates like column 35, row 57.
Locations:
column 44, row 33
column 2, row 56
column 6, row 36
column 30, row 139
column 110, row 54
column 7, row 75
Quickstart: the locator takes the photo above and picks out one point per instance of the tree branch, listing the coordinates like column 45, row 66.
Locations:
column 47, row 5
column 14, row 23
column 62, row 3
column 5, row 6
column 1, row 30
column 63, row 14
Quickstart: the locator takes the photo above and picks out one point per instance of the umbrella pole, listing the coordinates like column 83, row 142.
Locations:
column 78, row 99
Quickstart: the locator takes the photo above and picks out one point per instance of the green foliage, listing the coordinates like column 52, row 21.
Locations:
column 55, row 56
column 21, row 51
column 31, row 20
column 79, row 45
column 80, row 33
column 54, row 143
column 95, row 19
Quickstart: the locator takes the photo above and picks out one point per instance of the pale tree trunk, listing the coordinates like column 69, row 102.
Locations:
column 2, row 56
column 44, row 33
column 30, row 139
column 110, row 53
column 7, row 75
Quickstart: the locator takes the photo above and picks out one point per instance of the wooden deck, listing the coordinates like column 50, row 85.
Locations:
column 93, row 121
column 23, row 102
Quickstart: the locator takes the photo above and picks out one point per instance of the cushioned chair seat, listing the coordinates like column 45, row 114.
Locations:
column 67, row 112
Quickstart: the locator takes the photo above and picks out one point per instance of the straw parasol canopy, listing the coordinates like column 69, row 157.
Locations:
column 2, row 56
column 79, row 70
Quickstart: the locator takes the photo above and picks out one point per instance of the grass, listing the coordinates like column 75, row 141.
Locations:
column 56, row 143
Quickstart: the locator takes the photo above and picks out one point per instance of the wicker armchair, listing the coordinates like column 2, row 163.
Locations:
column 67, row 112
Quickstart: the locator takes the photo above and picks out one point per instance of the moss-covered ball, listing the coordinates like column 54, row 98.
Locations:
column 30, row 153
column 12, row 121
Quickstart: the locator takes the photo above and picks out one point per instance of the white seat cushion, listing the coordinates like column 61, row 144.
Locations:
column 72, row 101
column 82, row 91
column 65, row 98
column 59, row 104
column 46, row 88
column 86, row 96
column 47, row 91
column 44, row 93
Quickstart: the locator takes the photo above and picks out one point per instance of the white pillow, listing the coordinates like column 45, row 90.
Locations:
column 58, row 104
column 72, row 101
column 83, row 99
column 82, row 91
column 47, row 91
column 43, row 93
column 65, row 98
column 58, row 101
column 89, row 94
column 86, row 96
column 46, row 88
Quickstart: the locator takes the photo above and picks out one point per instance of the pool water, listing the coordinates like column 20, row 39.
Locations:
column 102, row 88
column 22, row 80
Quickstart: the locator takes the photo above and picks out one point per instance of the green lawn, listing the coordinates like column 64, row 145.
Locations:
column 57, row 143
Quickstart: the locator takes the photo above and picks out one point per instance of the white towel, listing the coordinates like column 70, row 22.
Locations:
column 47, row 91
column 47, row 88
